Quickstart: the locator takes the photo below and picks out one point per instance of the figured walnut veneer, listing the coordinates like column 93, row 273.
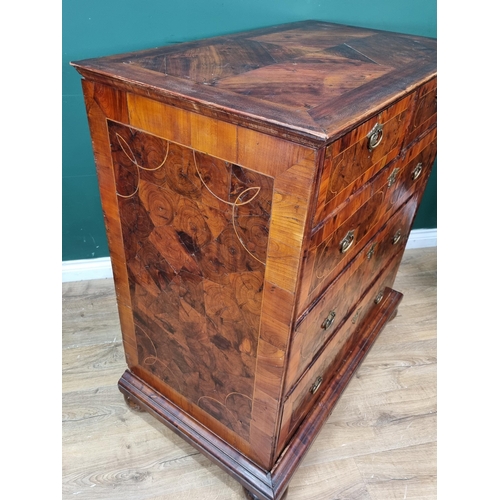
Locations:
column 195, row 232
column 254, row 231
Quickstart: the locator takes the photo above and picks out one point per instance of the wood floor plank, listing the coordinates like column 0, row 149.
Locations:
column 382, row 431
column 143, row 479
column 339, row 479
column 385, row 421
column 89, row 313
column 408, row 473
column 91, row 366
column 408, row 355
column 416, row 375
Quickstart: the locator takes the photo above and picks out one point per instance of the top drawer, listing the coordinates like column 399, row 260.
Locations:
column 356, row 157
column 423, row 112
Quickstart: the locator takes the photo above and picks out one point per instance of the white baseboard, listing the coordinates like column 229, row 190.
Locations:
column 86, row 269
column 92, row 269
column 422, row 238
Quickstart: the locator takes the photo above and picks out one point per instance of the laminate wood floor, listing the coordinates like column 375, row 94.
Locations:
column 378, row 444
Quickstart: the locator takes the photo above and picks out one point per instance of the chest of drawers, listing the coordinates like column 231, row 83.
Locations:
column 258, row 190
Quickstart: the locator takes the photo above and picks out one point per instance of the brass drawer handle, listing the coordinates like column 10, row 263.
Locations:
column 396, row 237
column 375, row 136
column 328, row 321
column 417, row 171
column 314, row 388
column 392, row 178
column 347, row 241
column 370, row 253
column 379, row 297
column 356, row 316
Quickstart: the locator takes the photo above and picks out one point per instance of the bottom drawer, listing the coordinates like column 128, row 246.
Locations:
column 330, row 359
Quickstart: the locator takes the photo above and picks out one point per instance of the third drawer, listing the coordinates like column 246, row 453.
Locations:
column 328, row 313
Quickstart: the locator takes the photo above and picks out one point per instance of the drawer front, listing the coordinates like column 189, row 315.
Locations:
column 424, row 112
column 414, row 168
column 373, row 203
column 331, row 309
column 343, row 236
column 308, row 389
column 356, row 157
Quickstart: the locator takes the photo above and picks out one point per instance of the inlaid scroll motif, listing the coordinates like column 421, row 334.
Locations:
column 195, row 232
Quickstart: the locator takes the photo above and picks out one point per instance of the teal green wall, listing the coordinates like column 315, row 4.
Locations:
column 96, row 28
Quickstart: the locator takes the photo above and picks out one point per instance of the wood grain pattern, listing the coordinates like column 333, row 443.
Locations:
column 331, row 356
column 288, row 229
column 424, row 112
column 265, row 485
column 350, row 163
column 195, row 236
column 375, row 201
column 102, row 101
column 245, row 200
column 344, row 292
column 414, row 167
column 383, row 428
column 223, row 140
column 355, row 352
column 156, row 181
column 285, row 81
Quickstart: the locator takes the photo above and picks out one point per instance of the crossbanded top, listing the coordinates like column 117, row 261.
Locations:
column 307, row 81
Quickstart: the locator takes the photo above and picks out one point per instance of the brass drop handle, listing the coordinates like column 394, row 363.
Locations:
column 356, row 316
column 379, row 297
column 375, row 136
column 328, row 321
column 392, row 178
column 347, row 241
column 314, row 388
column 417, row 171
column 370, row 253
column 396, row 237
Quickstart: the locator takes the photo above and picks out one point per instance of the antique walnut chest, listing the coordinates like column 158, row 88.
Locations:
column 258, row 190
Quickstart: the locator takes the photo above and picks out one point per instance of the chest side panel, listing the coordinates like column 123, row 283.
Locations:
column 195, row 234
column 207, row 221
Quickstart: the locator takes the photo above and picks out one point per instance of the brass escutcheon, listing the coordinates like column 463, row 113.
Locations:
column 417, row 171
column 396, row 237
column 328, row 321
column 379, row 297
column 316, row 385
column 370, row 253
column 347, row 241
column 356, row 316
column 392, row 178
column 375, row 136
